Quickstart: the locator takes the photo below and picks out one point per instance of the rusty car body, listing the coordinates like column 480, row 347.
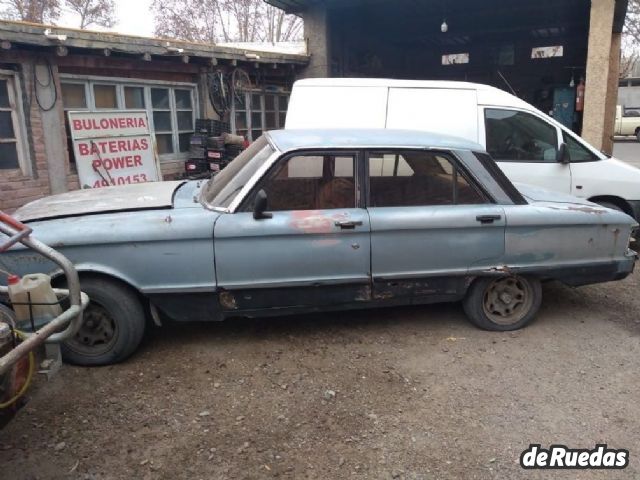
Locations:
column 309, row 220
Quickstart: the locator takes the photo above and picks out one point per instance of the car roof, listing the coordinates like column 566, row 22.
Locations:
column 296, row 139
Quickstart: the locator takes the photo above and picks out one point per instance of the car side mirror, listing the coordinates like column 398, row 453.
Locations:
column 563, row 155
column 260, row 206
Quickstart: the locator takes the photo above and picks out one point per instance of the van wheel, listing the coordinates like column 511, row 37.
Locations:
column 112, row 325
column 502, row 304
column 638, row 135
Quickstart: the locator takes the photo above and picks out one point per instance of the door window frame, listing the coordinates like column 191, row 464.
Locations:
column 583, row 144
column 562, row 130
column 448, row 154
column 246, row 205
column 482, row 133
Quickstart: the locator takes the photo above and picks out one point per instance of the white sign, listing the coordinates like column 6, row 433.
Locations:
column 547, row 52
column 113, row 148
column 455, row 58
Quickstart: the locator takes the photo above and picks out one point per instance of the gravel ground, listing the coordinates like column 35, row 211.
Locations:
column 414, row 393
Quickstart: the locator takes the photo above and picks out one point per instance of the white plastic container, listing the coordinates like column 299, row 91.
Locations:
column 36, row 289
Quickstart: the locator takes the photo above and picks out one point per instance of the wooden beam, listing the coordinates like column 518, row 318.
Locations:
column 115, row 63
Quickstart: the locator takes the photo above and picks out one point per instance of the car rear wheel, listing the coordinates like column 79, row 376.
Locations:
column 113, row 325
column 502, row 304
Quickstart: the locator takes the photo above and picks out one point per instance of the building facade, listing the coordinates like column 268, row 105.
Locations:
column 45, row 72
column 539, row 50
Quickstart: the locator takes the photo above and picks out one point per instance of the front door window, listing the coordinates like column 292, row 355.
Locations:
column 577, row 152
column 312, row 182
column 519, row 136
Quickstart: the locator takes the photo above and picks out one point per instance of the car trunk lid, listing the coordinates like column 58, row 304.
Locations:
column 538, row 194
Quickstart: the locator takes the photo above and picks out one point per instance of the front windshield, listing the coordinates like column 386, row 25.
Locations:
column 223, row 188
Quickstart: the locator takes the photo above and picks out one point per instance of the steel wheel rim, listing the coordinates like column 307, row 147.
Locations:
column 98, row 333
column 507, row 300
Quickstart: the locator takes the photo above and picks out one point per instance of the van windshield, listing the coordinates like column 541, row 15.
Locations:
column 222, row 189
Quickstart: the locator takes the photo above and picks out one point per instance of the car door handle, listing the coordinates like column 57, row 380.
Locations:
column 348, row 224
column 488, row 218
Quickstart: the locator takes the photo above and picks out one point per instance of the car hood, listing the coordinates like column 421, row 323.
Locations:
column 140, row 196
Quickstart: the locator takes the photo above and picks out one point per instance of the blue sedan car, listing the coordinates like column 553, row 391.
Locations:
column 310, row 220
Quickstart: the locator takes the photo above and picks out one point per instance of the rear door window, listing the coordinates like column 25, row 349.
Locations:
column 519, row 136
column 418, row 178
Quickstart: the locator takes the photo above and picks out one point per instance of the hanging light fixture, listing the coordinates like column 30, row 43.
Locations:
column 444, row 28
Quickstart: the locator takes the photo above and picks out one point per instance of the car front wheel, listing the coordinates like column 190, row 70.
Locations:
column 113, row 325
column 502, row 304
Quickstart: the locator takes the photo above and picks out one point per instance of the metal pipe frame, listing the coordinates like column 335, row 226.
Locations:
column 70, row 319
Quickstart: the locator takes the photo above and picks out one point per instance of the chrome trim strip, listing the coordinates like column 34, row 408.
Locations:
column 203, row 289
column 364, row 280
column 257, row 176
column 416, row 275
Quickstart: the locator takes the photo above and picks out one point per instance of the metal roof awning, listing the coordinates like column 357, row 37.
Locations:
column 36, row 35
column 299, row 6
column 290, row 6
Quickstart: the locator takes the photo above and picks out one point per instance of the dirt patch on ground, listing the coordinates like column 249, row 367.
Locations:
column 392, row 393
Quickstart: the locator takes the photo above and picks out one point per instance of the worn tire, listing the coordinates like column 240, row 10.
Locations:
column 113, row 308
column 481, row 296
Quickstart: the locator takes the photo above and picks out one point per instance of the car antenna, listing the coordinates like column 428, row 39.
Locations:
column 508, row 84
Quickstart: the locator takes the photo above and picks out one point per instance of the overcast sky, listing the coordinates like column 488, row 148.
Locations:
column 133, row 18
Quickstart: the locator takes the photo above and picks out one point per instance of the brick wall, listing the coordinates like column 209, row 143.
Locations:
column 16, row 189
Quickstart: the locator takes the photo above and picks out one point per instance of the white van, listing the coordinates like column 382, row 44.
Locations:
column 528, row 145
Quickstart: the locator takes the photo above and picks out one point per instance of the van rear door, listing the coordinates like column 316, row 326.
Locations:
column 314, row 106
column 450, row 111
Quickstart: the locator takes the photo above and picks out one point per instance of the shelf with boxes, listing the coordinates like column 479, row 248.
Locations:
column 212, row 147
